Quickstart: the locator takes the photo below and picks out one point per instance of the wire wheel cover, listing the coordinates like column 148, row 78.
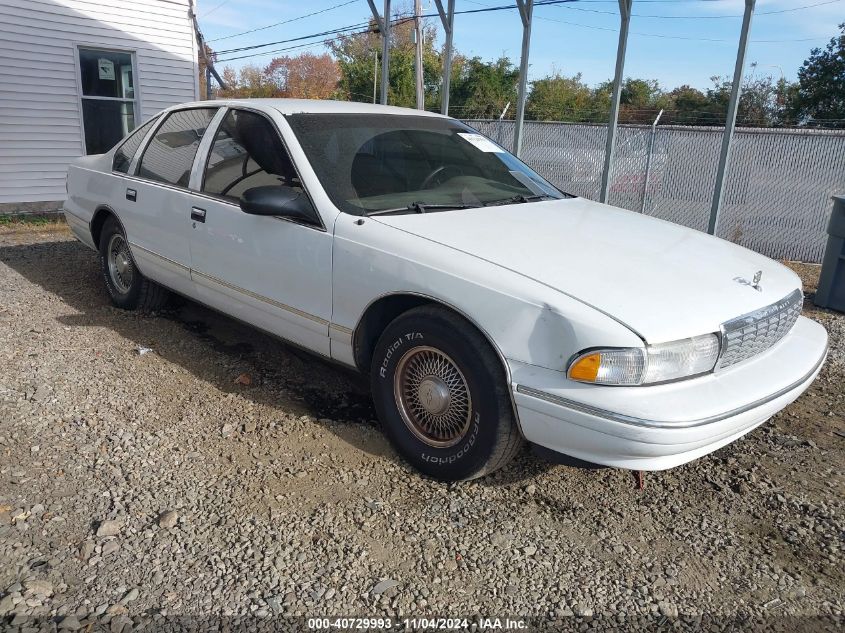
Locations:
column 121, row 269
column 432, row 396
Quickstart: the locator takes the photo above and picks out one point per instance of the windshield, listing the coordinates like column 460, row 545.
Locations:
column 371, row 163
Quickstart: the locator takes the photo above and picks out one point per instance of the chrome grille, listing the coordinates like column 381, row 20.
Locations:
column 757, row 331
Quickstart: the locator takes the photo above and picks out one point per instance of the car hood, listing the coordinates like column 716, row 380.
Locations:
column 662, row 280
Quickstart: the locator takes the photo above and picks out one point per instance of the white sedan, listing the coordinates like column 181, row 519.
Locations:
column 487, row 307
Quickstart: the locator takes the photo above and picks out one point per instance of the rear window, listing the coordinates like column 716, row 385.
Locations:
column 124, row 154
column 171, row 152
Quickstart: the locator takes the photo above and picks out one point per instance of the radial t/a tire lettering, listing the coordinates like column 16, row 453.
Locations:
column 441, row 394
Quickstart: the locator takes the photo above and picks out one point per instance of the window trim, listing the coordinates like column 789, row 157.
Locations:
column 135, row 101
column 207, row 155
column 151, row 135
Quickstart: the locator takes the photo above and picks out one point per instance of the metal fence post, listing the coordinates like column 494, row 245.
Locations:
column 501, row 118
column 730, row 120
column 618, row 76
column 648, row 160
column 526, row 7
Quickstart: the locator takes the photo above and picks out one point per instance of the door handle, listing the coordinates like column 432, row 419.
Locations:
column 131, row 195
column 197, row 214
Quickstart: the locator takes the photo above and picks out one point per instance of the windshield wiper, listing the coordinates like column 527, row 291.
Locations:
column 520, row 198
column 422, row 207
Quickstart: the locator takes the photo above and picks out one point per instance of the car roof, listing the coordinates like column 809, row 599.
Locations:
column 314, row 106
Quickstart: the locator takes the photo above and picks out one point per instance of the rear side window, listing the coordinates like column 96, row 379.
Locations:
column 247, row 152
column 123, row 155
column 171, row 152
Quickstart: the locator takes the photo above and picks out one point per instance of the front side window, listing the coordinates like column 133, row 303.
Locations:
column 247, row 152
column 170, row 154
column 371, row 163
column 123, row 155
column 108, row 97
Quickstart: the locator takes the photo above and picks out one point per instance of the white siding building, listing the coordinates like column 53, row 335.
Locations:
column 77, row 75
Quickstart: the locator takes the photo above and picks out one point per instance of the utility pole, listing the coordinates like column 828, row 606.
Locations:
column 418, row 65
column 209, row 64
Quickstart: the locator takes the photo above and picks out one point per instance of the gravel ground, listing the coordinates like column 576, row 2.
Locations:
column 222, row 473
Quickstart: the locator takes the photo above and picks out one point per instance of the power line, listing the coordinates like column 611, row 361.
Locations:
column 280, row 50
column 702, row 17
column 487, row 8
column 338, row 30
column 215, row 8
column 270, row 26
column 340, row 33
column 674, row 37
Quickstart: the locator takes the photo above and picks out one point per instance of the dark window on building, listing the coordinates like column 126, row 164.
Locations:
column 170, row 154
column 124, row 154
column 247, row 152
column 108, row 97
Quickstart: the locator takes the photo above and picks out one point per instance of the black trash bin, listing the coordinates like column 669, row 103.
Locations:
column 831, row 290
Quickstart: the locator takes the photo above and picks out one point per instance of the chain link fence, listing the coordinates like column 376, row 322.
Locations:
column 777, row 190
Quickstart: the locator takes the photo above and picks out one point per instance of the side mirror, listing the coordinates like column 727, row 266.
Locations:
column 278, row 200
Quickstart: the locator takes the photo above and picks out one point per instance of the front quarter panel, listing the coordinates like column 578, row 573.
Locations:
column 525, row 321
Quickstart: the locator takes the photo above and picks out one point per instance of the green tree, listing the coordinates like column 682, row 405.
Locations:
column 357, row 54
column 758, row 103
column 639, row 100
column 820, row 95
column 560, row 98
column 688, row 106
column 482, row 89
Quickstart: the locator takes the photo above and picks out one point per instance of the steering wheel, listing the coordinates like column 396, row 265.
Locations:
column 438, row 171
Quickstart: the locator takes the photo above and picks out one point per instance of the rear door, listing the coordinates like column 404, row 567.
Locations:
column 268, row 271
column 156, row 201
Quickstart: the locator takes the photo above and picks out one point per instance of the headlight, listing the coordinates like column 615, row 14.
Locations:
column 652, row 364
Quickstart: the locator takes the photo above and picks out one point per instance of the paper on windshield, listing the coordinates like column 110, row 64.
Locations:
column 484, row 144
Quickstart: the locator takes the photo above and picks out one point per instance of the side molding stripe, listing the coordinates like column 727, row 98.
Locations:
column 162, row 257
column 243, row 291
column 261, row 298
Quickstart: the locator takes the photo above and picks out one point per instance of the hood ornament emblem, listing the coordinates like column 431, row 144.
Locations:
column 754, row 283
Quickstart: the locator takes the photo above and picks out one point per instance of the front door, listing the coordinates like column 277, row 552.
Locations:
column 156, row 198
column 268, row 271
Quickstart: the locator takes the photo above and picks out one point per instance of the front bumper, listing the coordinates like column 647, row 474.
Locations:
column 662, row 426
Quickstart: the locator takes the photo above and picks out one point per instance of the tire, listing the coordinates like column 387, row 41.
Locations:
column 442, row 396
column 127, row 287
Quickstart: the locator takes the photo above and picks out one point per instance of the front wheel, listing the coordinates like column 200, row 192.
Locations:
column 442, row 397
column 127, row 287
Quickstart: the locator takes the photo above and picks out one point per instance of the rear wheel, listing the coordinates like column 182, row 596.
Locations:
column 127, row 287
column 442, row 396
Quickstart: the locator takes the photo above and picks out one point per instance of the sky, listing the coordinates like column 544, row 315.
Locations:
column 676, row 42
